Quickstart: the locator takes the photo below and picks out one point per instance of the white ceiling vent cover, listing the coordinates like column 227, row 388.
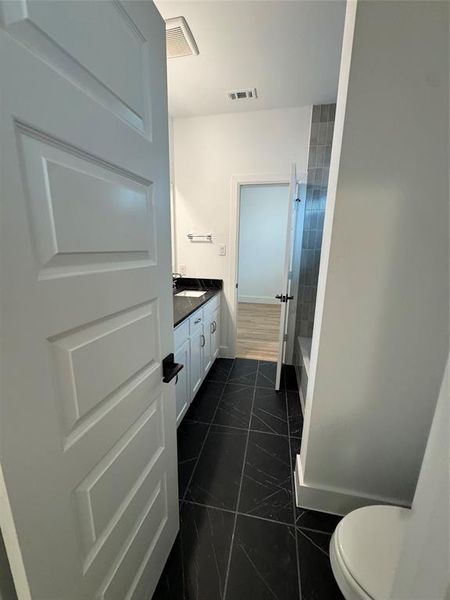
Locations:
column 179, row 38
column 243, row 94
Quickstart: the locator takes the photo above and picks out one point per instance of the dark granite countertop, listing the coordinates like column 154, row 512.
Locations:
column 184, row 307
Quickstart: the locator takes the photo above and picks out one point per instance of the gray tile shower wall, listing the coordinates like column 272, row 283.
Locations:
column 316, row 195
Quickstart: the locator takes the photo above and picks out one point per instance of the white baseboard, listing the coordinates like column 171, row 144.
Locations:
column 338, row 502
column 258, row 299
column 224, row 352
column 298, row 375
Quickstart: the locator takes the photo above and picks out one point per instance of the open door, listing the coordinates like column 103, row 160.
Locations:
column 88, row 480
column 285, row 295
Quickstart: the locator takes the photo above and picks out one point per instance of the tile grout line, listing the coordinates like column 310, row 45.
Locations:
column 259, row 387
column 283, row 435
column 206, row 437
column 294, row 507
column 251, row 516
column 225, row 588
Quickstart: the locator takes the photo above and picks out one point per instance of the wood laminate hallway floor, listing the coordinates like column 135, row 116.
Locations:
column 241, row 535
column 258, row 328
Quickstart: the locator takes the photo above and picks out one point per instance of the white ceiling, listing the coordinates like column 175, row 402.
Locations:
column 288, row 50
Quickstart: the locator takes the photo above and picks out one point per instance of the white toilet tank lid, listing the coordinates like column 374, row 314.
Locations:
column 369, row 541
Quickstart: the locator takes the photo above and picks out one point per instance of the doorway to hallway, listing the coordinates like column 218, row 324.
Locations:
column 263, row 214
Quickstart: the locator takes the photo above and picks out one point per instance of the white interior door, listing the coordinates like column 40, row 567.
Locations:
column 88, row 447
column 285, row 293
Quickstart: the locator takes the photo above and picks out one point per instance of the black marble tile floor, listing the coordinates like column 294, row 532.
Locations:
column 241, row 534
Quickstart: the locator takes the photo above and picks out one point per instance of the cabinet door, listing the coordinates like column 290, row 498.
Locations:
column 182, row 388
column 215, row 333
column 196, row 359
column 206, row 344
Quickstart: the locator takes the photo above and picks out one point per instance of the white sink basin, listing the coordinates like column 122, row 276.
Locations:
column 190, row 294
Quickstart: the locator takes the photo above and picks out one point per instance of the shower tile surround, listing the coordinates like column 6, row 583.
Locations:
column 316, row 195
column 241, row 534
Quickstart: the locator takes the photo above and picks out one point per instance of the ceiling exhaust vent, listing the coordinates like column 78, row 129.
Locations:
column 242, row 94
column 179, row 38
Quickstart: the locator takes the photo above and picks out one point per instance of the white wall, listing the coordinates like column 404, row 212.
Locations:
column 423, row 568
column 262, row 240
column 208, row 151
column 382, row 315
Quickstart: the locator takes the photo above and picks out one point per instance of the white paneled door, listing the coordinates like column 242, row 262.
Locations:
column 89, row 502
column 285, row 295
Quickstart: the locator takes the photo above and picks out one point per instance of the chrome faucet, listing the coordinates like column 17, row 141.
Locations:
column 175, row 276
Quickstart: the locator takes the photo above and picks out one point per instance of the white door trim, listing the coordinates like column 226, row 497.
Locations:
column 237, row 181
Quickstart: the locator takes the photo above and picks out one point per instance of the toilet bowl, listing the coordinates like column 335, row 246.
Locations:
column 364, row 551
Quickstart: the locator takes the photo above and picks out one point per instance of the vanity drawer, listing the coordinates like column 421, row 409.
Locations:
column 181, row 334
column 211, row 305
column 196, row 320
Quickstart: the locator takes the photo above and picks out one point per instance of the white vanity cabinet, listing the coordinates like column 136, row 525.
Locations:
column 196, row 347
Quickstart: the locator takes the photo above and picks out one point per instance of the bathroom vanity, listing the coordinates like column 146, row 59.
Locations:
column 196, row 335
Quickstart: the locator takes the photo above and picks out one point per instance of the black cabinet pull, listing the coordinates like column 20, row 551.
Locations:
column 203, row 340
column 170, row 368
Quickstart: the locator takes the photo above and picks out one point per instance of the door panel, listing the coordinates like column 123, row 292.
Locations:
column 78, row 206
column 88, row 445
column 101, row 49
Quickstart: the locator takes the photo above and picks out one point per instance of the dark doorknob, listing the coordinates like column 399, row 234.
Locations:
column 170, row 368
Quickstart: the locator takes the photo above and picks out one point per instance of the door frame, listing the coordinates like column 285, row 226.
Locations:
column 237, row 182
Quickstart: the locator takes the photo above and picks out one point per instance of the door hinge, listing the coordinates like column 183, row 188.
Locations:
column 237, row 285
column 285, row 337
column 290, row 274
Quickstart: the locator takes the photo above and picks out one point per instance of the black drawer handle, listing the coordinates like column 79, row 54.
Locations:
column 170, row 368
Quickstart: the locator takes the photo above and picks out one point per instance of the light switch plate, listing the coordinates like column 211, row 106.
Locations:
column 222, row 250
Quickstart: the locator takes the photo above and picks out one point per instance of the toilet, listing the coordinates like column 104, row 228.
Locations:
column 364, row 551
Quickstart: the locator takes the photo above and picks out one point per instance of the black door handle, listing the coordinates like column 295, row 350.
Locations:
column 284, row 298
column 279, row 297
column 170, row 368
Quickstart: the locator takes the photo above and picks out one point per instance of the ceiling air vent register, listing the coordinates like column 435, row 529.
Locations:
column 243, row 94
column 179, row 38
